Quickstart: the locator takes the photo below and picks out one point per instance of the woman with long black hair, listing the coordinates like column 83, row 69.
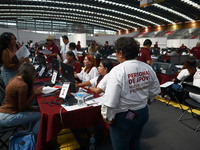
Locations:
column 8, row 58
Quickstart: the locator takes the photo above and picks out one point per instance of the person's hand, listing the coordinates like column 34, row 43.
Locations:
column 76, row 85
column 38, row 90
column 108, row 121
column 173, row 80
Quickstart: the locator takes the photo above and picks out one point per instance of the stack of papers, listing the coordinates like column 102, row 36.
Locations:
column 48, row 89
column 166, row 84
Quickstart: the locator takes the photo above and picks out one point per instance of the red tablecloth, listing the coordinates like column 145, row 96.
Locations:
column 164, row 78
column 51, row 125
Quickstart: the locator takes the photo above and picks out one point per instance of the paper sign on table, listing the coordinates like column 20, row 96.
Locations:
column 54, row 76
column 64, row 90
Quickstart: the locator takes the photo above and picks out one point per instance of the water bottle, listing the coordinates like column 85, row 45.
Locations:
column 92, row 143
column 80, row 97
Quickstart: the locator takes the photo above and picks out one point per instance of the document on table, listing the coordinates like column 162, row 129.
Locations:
column 73, row 107
column 95, row 101
column 166, row 84
column 48, row 89
column 22, row 52
column 46, row 51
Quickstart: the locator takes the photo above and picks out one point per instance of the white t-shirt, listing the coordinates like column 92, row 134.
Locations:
column 32, row 45
column 102, row 83
column 129, row 86
column 88, row 76
column 64, row 50
column 196, row 82
column 183, row 75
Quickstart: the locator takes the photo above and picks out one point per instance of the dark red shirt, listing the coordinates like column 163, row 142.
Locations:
column 77, row 67
column 196, row 52
column 183, row 47
column 144, row 55
column 156, row 46
column 78, row 47
column 54, row 49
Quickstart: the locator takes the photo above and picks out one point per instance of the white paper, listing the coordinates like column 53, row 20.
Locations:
column 73, row 107
column 48, row 89
column 22, row 52
column 95, row 101
column 166, row 84
column 64, row 90
column 41, row 71
column 54, row 76
column 46, row 51
column 36, row 66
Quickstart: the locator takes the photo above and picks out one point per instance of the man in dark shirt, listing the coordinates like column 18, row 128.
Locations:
column 196, row 51
column 51, row 47
column 78, row 46
column 156, row 45
column 144, row 54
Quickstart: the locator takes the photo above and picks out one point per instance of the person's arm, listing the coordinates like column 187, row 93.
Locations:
column 87, row 83
column 62, row 57
column 52, row 55
column 22, row 96
column 149, row 62
column 6, row 60
column 96, row 90
column 148, row 58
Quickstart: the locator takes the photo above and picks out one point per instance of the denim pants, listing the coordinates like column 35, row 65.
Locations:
column 7, row 74
column 9, row 120
column 125, row 134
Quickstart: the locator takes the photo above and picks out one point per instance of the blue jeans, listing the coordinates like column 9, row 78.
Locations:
column 177, row 87
column 7, row 74
column 9, row 120
column 125, row 134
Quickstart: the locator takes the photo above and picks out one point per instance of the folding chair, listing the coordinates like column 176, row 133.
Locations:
column 5, row 134
column 192, row 104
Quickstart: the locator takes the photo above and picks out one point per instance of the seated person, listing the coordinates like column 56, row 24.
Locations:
column 186, row 74
column 98, row 84
column 90, row 70
column 71, row 60
column 92, row 49
column 72, row 47
column 196, row 82
column 16, row 109
column 174, row 53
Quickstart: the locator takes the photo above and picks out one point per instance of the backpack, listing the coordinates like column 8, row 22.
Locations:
column 22, row 141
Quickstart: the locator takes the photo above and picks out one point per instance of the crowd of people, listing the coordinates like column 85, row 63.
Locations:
column 126, row 88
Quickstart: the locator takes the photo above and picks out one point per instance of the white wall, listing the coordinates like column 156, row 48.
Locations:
column 27, row 36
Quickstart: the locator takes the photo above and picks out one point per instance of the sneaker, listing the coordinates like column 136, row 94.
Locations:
column 159, row 96
column 167, row 97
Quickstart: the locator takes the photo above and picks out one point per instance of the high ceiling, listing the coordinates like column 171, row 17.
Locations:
column 84, row 16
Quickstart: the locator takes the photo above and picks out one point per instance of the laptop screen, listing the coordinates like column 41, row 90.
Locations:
column 68, row 75
column 55, row 66
column 42, row 60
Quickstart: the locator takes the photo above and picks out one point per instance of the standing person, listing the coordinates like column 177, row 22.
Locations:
column 144, row 54
column 32, row 46
column 156, row 45
column 130, row 85
column 90, row 70
column 51, row 47
column 65, row 47
column 183, row 47
column 195, row 51
column 16, row 109
column 7, row 56
column 78, row 46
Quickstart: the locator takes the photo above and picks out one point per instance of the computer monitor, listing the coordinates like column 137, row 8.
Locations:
column 183, row 59
column 68, row 76
column 55, row 66
column 42, row 60
column 174, row 60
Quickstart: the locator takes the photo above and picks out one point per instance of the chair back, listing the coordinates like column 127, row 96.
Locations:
column 2, row 90
column 191, row 88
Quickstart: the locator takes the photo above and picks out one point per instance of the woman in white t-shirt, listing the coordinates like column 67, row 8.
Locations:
column 186, row 74
column 90, row 70
column 196, row 82
column 98, row 84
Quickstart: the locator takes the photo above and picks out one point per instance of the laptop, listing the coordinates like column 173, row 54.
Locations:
column 55, row 67
column 68, row 76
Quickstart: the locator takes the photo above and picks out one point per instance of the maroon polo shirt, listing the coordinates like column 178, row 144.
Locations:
column 156, row 46
column 54, row 49
column 144, row 55
column 196, row 52
column 183, row 47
